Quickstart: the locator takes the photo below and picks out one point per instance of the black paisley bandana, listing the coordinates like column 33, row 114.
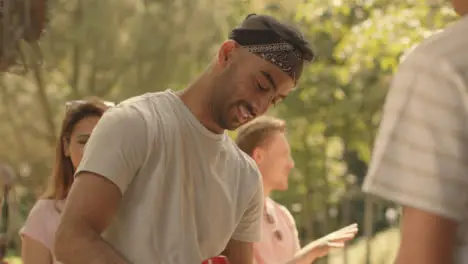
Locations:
column 272, row 48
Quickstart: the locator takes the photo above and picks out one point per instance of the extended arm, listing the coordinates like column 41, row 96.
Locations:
column 92, row 203
column 431, row 243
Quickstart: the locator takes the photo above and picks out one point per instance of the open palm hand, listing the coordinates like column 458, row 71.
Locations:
column 320, row 247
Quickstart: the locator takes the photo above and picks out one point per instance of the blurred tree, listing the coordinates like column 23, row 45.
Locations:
column 334, row 114
column 110, row 49
column 117, row 49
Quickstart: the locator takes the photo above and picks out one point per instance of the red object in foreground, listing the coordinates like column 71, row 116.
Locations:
column 217, row 260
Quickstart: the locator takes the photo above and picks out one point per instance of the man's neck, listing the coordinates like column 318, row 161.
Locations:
column 195, row 98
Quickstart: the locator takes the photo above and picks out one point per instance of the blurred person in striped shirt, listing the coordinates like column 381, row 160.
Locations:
column 420, row 157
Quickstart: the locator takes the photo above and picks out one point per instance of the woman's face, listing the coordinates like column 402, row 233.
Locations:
column 78, row 138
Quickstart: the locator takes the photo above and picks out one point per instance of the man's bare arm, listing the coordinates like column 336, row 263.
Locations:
column 426, row 238
column 239, row 252
column 90, row 207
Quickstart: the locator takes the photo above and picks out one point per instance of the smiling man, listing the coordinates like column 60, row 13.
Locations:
column 160, row 178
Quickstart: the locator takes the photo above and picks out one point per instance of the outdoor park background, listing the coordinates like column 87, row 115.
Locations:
column 117, row 49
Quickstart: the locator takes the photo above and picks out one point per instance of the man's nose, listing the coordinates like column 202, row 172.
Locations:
column 261, row 106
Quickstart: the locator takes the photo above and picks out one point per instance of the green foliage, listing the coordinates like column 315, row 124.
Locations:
column 333, row 116
column 109, row 49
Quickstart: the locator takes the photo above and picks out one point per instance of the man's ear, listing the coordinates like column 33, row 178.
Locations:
column 257, row 155
column 226, row 52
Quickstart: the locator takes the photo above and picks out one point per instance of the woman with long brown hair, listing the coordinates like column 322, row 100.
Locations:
column 39, row 230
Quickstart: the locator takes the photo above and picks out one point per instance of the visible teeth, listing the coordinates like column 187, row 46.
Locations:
column 244, row 111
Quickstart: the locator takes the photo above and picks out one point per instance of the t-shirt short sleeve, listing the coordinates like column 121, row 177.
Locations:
column 420, row 154
column 117, row 148
column 249, row 228
column 40, row 221
column 292, row 227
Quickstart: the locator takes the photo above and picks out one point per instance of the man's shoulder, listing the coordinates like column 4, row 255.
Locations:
column 251, row 168
column 445, row 47
column 145, row 107
column 248, row 167
column 145, row 101
column 436, row 65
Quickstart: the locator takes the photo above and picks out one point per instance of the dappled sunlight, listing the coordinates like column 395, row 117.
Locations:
column 118, row 49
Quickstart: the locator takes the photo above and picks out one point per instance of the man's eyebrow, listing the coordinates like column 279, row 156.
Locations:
column 269, row 78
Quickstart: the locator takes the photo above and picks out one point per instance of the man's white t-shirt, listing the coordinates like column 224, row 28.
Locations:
column 420, row 157
column 186, row 191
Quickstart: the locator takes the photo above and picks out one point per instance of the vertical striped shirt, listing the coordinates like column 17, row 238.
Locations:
column 420, row 157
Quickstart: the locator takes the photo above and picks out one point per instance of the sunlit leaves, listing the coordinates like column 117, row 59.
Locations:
column 110, row 49
column 337, row 109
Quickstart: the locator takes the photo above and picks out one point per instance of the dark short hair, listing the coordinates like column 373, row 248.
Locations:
column 285, row 31
column 257, row 132
column 288, row 32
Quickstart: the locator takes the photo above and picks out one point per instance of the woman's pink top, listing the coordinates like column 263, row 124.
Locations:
column 280, row 241
column 42, row 223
